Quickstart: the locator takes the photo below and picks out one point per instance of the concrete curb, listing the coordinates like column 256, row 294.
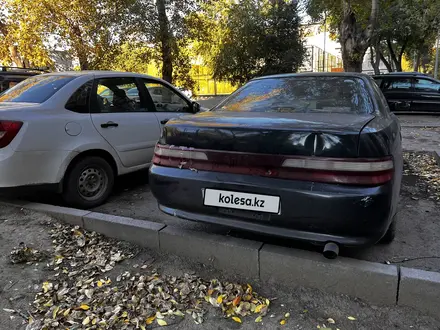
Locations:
column 373, row 282
column 420, row 289
column 140, row 232
column 223, row 252
column 370, row 281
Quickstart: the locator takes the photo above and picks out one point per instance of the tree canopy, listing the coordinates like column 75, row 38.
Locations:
column 260, row 38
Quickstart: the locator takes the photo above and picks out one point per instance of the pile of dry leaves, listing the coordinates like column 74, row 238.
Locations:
column 425, row 166
column 80, row 295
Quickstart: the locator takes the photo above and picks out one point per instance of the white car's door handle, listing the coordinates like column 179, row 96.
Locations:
column 109, row 124
column 163, row 122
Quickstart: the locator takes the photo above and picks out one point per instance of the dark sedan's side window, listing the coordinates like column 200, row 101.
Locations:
column 400, row 84
column 425, row 85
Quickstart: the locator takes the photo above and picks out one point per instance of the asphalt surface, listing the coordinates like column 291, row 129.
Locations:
column 308, row 308
column 418, row 234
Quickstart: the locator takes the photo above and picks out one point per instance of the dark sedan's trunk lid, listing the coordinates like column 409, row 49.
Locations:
column 302, row 134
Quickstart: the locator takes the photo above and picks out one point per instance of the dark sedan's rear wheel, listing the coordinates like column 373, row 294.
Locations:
column 391, row 232
column 88, row 183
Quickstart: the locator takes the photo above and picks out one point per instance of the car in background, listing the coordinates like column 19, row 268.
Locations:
column 410, row 92
column 314, row 157
column 59, row 130
column 186, row 91
column 11, row 76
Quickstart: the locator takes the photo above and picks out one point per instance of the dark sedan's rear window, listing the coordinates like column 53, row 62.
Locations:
column 35, row 89
column 301, row 94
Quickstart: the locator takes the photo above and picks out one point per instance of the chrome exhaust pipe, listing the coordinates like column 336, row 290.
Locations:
column 331, row 250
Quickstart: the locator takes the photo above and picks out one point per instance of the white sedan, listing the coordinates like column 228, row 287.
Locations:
column 77, row 131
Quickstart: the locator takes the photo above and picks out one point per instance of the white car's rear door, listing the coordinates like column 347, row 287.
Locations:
column 124, row 121
column 168, row 103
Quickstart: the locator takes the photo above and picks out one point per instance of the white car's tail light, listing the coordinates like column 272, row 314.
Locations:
column 8, row 131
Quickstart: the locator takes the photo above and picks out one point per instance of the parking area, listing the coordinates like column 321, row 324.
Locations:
column 417, row 243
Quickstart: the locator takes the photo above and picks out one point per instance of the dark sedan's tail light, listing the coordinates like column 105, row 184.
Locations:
column 8, row 131
column 369, row 172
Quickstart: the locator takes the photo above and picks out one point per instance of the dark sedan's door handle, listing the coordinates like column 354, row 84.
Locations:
column 163, row 122
column 109, row 124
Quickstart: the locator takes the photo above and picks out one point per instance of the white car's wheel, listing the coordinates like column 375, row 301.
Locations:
column 88, row 182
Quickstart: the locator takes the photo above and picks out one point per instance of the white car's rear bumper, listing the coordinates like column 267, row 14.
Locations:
column 32, row 167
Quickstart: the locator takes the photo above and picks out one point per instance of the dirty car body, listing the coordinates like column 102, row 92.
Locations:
column 313, row 157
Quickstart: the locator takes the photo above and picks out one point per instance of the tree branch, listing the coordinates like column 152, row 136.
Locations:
column 385, row 61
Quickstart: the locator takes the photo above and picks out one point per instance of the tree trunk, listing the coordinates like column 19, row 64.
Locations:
column 83, row 60
column 165, row 38
column 354, row 39
column 416, row 62
column 386, row 62
column 397, row 59
column 375, row 60
column 15, row 56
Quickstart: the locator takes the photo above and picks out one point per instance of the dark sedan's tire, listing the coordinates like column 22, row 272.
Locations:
column 391, row 232
column 88, row 182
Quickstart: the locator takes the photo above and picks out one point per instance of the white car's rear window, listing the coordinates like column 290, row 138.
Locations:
column 35, row 89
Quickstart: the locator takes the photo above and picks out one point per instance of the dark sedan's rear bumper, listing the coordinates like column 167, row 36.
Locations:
column 317, row 212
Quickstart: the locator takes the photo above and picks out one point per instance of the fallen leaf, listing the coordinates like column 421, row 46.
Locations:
column 236, row 301
column 150, row 319
column 351, row 318
column 84, row 307
column 259, row 319
column 86, row 321
column 331, row 321
column 161, row 322
column 55, row 312
column 7, row 310
column 282, row 322
column 287, row 315
column 219, row 299
column 236, row 319
column 179, row 313
column 259, row 308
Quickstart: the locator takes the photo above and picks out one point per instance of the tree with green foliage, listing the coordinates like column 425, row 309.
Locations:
column 260, row 38
column 20, row 44
column 354, row 21
column 407, row 27
column 90, row 29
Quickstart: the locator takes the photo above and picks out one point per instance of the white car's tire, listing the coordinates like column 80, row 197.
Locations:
column 88, row 182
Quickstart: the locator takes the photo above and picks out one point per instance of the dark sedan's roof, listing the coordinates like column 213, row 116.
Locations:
column 315, row 74
column 402, row 74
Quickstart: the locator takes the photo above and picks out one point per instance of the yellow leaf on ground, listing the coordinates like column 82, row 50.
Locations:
column 282, row 322
column 161, row 322
column 259, row 308
column 259, row 319
column 150, row 319
column 351, row 318
column 236, row 319
column 287, row 315
column 86, row 321
column 55, row 311
column 267, row 302
column 331, row 321
column 84, row 307
column 249, row 288
column 219, row 299
column 99, row 283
